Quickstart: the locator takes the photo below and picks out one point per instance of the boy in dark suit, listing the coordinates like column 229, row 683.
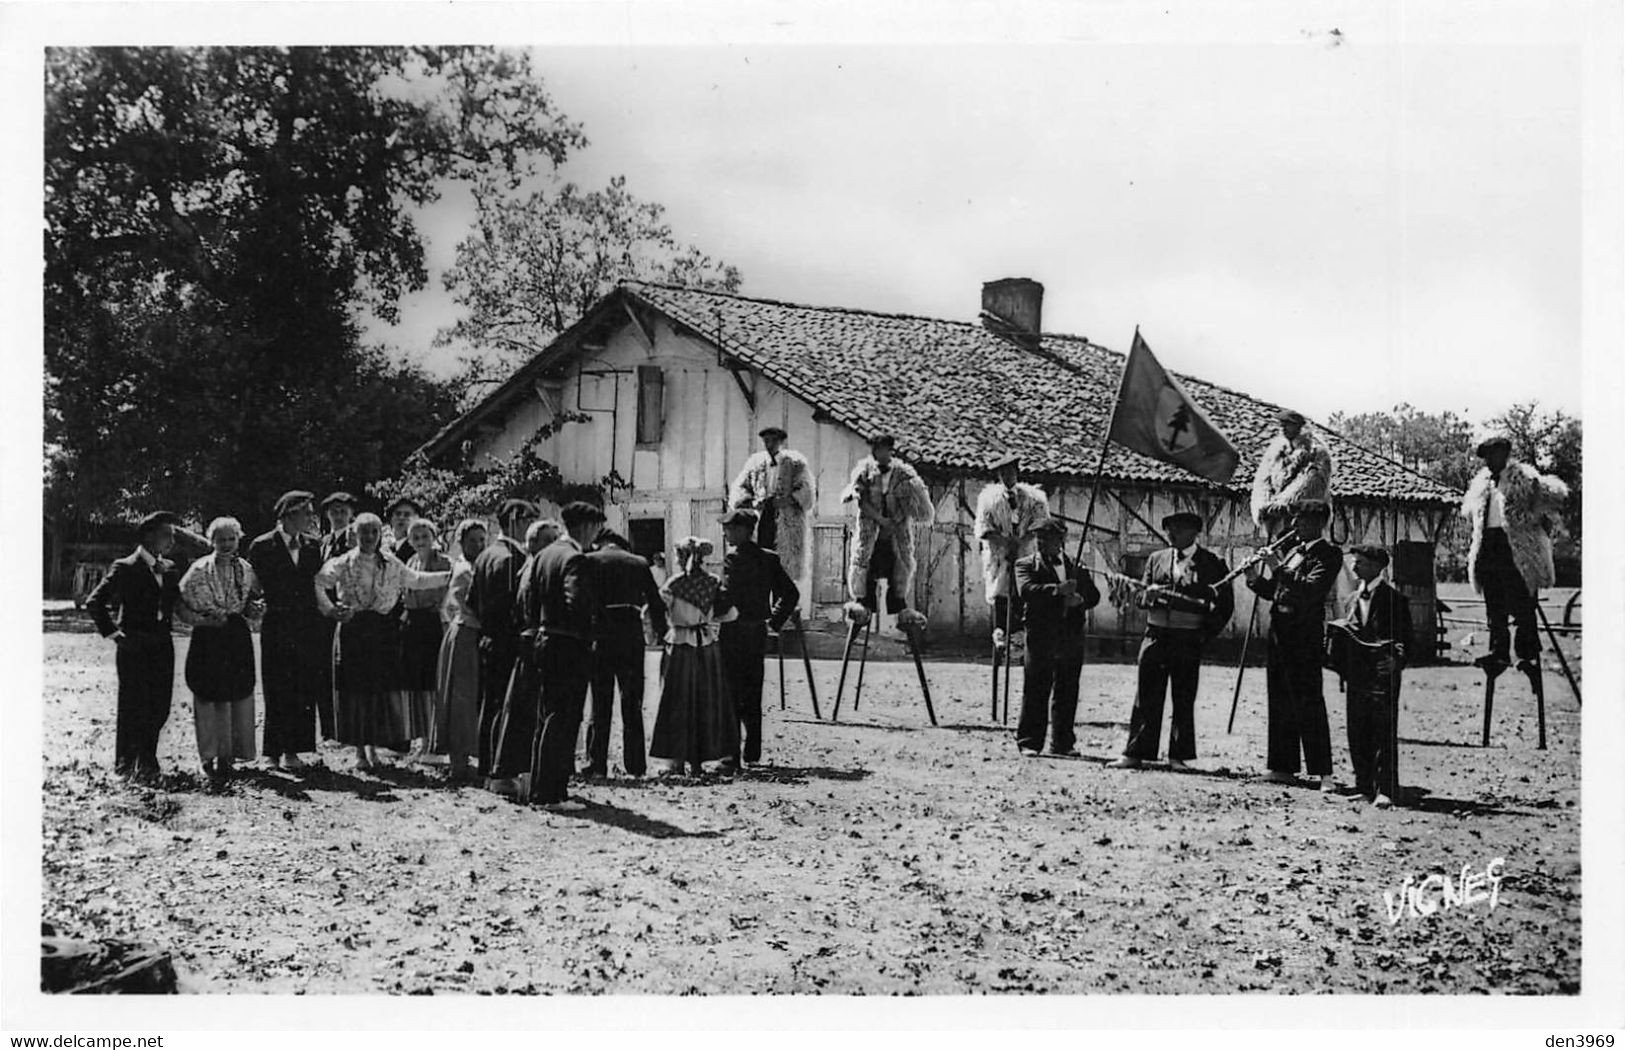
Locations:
column 134, row 605
column 1179, row 583
column 295, row 639
column 1378, row 618
column 560, row 606
column 1057, row 594
column 625, row 589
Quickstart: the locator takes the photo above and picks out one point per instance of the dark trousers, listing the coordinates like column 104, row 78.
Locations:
column 1049, row 695
column 513, row 736
column 296, row 663
column 744, row 646
column 1002, row 607
column 1373, row 717
column 1167, row 658
column 496, row 667
column 618, row 659
column 883, row 566
column 767, row 525
column 1506, row 594
column 146, row 678
column 324, row 699
column 563, row 671
column 1297, row 701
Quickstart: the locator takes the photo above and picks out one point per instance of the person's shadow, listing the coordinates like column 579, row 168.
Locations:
column 635, row 822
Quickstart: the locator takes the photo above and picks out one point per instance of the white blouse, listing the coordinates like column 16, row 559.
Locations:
column 371, row 583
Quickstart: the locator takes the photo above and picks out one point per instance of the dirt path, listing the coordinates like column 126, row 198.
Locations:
column 878, row 856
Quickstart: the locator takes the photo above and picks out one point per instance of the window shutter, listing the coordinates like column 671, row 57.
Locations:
column 651, row 404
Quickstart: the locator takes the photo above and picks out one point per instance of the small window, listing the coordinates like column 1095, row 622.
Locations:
column 651, row 404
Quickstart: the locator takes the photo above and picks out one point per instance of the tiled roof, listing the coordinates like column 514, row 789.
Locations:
column 955, row 394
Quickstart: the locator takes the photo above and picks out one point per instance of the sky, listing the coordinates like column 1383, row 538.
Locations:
column 1333, row 221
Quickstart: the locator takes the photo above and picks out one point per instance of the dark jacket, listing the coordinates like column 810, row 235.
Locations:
column 559, row 602
column 493, row 589
column 622, row 582
column 1388, row 621
column 1209, row 570
column 130, row 598
column 335, row 543
column 755, row 583
column 1048, row 620
column 289, row 584
column 1299, row 587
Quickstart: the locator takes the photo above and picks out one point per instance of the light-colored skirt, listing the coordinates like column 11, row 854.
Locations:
column 457, row 699
column 225, row 729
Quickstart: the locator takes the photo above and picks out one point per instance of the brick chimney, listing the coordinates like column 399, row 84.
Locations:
column 1014, row 307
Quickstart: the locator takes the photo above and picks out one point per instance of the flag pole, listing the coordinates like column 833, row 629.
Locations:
column 1105, row 439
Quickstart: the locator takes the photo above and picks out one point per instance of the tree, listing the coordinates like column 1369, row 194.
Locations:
column 1437, row 446
column 216, row 219
column 536, row 262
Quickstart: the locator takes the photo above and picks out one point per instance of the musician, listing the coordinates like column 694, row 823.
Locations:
column 1008, row 512
column 1298, row 581
column 1057, row 593
column 1512, row 507
column 1187, row 608
column 891, row 500
column 1378, row 618
column 777, row 484
column 1296, row 465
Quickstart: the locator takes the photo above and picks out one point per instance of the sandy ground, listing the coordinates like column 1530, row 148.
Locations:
column 875, row 856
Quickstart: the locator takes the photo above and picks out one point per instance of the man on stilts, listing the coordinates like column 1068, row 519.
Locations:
column 891, row 500
column 1296, row 465
column 777, row 484
column 1008, row 514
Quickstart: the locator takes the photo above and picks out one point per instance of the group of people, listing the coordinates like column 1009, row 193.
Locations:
column 1031, row 582
column 486, row 652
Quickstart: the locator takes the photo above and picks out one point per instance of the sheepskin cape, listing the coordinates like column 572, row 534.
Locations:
column 1531, row 503
column 998, row 518
column 750, row 489
column 906, row 501
column 1291, row 470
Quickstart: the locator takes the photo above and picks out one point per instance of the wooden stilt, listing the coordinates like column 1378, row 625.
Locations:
column 1241, row 665
column 994, row 713
column 863, row 663
column 1009, row 640
column 846, row 656
column 806, row 662
column 919, row 668
column 780, row 636
column 1538, row 685
column 1489, row 706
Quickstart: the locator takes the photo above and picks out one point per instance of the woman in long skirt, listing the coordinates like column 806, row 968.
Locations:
column 457, row 696
column 369, row 582
column 696, row 722
column 219, row 597
column 421, row 629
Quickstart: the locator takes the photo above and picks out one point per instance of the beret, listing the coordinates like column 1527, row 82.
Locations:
column 404, row 501
column 1009, row 459
column 512, row 506
column 1049, row 527
column 739, row 516
column 1312, row 506
column 577, row 512
column 338, row 497
column 155, row 519
column 1182, row 517
column 777, row 432
column 883, row 439
column 289, row 500
column 1493, row 441
column 1286, row 415
column 1372, row 551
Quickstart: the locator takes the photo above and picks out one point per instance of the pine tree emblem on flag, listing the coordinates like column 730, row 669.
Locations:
column 1155, row 417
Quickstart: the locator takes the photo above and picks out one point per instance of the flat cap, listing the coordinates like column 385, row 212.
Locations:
column 778, row 432
column 883, row 439
column 339, row 497
column 1493, row 441
column 404, row 501
column 1312, row 506
column 1182, row 517
column 518, row 506
column 1286, row 415
column 1050, row 527
column 291, row 499
column 1009, row 459
column 577, row 512
column 1372, row 551
column 739, row 516
column 155, row 519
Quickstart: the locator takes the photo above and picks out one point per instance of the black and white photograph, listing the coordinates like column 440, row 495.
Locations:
column 764, row 505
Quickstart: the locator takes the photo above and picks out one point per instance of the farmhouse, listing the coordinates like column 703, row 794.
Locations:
column 675, row 383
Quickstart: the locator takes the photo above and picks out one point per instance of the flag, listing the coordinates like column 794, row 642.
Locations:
column 1155, row 417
